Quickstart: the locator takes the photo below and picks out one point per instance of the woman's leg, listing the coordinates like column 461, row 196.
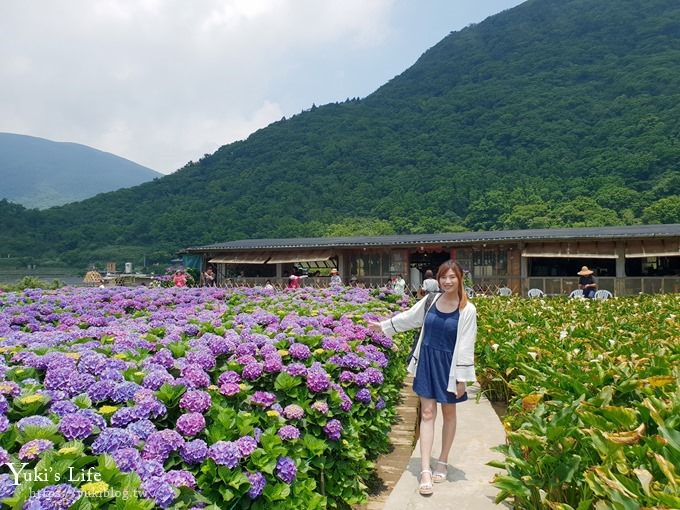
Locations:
column 448, row 433
column 428, row 413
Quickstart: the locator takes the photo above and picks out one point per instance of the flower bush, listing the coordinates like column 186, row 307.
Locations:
column 594, row 405
column 193, row 397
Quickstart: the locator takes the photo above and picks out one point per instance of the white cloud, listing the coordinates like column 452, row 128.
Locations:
column 161, row 82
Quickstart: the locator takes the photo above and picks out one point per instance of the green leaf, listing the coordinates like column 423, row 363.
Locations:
column 512, row 486
column 285, row 382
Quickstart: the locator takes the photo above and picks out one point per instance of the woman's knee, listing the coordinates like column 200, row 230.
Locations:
column 428, row 413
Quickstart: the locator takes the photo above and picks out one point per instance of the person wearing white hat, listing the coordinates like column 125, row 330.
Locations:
column 587, row 282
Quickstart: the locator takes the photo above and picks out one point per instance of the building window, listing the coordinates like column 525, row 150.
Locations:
column 369, row 264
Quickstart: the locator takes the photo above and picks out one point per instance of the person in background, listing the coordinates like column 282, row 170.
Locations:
column 399, row 284
column 443, row 361
column 179, row 278
column 209, row 277
column 336, row 281
column 268, row 285
column 429, row 284
column 294, row 280
column 587, row 282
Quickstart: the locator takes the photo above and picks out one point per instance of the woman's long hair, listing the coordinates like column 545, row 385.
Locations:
column 458, row 271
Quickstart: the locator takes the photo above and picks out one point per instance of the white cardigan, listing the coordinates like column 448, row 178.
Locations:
column 462, row 365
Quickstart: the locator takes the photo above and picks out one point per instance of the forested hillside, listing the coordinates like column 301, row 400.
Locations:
column 554, row 113
column 39, row 173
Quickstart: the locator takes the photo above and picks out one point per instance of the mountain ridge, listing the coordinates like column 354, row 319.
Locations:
column 41, row 173
column 549, row 114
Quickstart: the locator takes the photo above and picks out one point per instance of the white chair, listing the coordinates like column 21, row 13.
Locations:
column 505, row 291
column 603, row 294
column 534, row 293
column 576, row 293
column 470, row 292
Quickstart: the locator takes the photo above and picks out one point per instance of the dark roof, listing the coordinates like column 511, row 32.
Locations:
column 459, row 238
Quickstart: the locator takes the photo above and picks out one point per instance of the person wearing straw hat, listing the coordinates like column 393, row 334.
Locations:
column 336, row 281
column 586, row 282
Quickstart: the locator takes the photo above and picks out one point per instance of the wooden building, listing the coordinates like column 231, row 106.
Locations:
column 626, row 259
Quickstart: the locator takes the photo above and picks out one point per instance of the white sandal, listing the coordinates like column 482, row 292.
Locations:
column 425, row 488
column 440, row 476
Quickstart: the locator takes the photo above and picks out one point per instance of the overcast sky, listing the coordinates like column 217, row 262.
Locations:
column 163, row 82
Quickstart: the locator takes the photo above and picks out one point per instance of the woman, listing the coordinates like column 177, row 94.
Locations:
column 443, row 361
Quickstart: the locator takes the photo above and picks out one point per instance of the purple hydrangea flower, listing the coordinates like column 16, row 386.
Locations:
column 7, row 486
column 229, row 377
column 127, row 459
column 4, row 423
column 149, row 469
column 124, row 416
column 225, row 453
column 286, row 469
column 63, row 407
column 158, row 489
column 112, row 439
column 76, row 426
column 320, row 406
column 273, row 364
column 180, row 478
column 53, row 497
column 190, row 424
column 141, row 429
column 263, row 398
column 195, row 401
column 364, row 396
column 333, row 429
column 246, row 445
column 257, row 484
column 293, row 412
column 96, row 418
column 296, row 369
column 10, row 388
column 34, row 448
column 299, row 351
column 124, row 391
column 195, row 376
column 194, row 452
column 34, row 421
column 289, row 433
column 230, row 389
column 4, row 456
column 203, row 358
column 380, row 403
column 159, row 445
column 154, row 380
column 112, row 374
column 163, row 358
column 4, row 405
column 318, row 380
column 252, row 371
column 346, row 377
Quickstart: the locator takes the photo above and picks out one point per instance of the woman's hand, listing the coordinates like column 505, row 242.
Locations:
column 375, row 327
column 460, row 389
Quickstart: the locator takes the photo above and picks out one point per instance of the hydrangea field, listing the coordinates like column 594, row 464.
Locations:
column 139, row 398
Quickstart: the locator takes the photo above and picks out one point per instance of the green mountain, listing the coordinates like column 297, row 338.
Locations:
column 39, row 173
column 556, row 113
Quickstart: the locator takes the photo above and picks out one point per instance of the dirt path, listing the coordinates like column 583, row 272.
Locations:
column 393, row 464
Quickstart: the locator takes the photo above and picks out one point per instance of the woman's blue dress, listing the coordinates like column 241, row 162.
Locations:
column 436, row 354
